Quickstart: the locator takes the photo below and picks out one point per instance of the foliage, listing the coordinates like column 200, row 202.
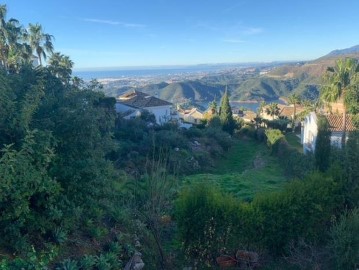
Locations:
column 322, row 145
column 340, row 83
column 351, row 168
column 208, row 221
column 273, row 110
column 274, row 136
column 302, row 209
column 295, row 164
column 344, row 241
column 204, row 220
column 225, row 114
column 280, row 123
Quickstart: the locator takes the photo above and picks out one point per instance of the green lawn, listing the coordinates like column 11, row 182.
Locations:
column 294, row 141
column 247, row 169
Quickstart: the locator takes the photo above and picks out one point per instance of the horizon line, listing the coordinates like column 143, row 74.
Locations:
column 169, row 66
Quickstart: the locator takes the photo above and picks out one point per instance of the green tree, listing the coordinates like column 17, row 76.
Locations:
column 40, row 42
column 294, row 99
column 273, row 110
column 61, row 66
column 351, row 167
column 225, row 114
column 337, row 82
column 322, row 145
column 344, row 240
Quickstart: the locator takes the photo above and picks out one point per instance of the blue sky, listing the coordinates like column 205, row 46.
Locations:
column 114, row 33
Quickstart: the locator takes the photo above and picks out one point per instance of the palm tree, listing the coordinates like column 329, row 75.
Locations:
column 40, row 42
column 294, row 99
column 10, row 35
column 337, row 82
column 61, row 66
column 273, row 110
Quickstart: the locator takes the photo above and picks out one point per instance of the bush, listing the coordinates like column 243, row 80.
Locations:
column 274, row 136
column 345, row 240
column 296, row 165
column 204, row 218
column 301, row 210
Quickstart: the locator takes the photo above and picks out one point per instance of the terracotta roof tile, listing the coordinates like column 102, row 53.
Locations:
column 141, row 100
column 336, row 122
column 288, row 111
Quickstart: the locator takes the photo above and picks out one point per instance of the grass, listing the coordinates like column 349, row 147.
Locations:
column 247, row 169
column 294, row 141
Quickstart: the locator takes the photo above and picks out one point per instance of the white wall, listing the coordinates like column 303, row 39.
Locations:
column 310, row 132
column 162, row 113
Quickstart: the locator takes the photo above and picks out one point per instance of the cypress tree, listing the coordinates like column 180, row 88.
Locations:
column 352, row 168
column 322, row 145
column 225, row 114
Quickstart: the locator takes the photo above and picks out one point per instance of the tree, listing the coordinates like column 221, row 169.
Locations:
column 337, row 82
column 225, row 114
column 213, row 107
column 273, row 110
column 39, row 41
column 294, row 99
column 11, row 34
column 261, row 107
column 351, row 185
column 61, row 66
column 322, row 145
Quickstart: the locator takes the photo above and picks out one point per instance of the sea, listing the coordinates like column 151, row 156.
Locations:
column 149, row 72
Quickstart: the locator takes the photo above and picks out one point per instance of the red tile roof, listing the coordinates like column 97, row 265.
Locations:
column 141, row 100
column 336, row 122
column 288, row 111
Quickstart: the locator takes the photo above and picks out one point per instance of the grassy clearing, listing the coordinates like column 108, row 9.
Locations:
column 247, row 169
column 294, row 141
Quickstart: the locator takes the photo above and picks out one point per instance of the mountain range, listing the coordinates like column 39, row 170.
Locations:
column 264, row 83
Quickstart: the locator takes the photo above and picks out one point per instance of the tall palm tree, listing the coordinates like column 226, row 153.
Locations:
column 273, row 110
column 337, row 82
column 294, row 99
column 10, row 36
column 40, row 42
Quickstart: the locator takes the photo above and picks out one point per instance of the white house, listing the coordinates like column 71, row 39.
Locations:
column 193, row 116
column 310, row 130
column 134, row 102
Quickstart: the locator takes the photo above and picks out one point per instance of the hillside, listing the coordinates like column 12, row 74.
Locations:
column 281, row 80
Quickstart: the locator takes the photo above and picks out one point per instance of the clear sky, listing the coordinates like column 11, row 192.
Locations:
column 114, row 33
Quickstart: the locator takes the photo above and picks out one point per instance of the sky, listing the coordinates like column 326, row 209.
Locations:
column 130, row 33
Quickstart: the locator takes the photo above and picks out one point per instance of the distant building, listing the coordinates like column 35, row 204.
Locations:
column 193, row 116
column 284, row 111
column 310, row 130
column 134, row 102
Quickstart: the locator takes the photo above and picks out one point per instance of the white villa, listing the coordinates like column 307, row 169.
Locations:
column 134, row 102
column 310, row 130
column 193, row 116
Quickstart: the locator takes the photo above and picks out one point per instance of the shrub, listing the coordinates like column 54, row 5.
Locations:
column 204, row 218
column 296, row 165
column 301, row 210
column 274, row 136
column 345, row 240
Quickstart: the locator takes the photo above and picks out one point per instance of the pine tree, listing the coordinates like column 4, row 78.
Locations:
column 225, row 114
column 322, row 145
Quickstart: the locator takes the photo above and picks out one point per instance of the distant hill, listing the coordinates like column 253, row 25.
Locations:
column 348, row 51
column 302, row 78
